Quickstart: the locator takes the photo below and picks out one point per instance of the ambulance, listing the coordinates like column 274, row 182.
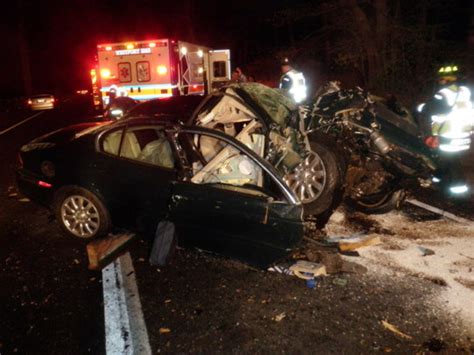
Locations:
column 160, row 68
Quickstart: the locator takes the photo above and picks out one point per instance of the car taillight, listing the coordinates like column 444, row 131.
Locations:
column 44, row 184
column 52, row 99
column 30, row 102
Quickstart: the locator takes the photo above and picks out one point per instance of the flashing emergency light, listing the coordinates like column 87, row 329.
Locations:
column 108, row 48
column 105, row 73
column 448, row 69
column 200, row 53
column 130, row 46
column 152, row 45
column 184, row 50
column 161, row 69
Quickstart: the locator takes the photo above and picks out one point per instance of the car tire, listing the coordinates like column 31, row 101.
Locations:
column 379, row 205
column 322, row 160
column 81, row 214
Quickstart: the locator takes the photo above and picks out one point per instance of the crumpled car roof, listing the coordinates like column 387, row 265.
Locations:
column 275, row 104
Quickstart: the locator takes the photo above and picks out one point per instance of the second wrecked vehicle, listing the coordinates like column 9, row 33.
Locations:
column 382, row 148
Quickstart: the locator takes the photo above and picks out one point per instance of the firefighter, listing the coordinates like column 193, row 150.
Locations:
column 446, row 122
column 292, row 82
column 447, row 117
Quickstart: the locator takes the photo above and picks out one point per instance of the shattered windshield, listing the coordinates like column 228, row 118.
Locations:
column 275, row 104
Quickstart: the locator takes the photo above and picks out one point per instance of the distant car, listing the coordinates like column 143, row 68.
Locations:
column 42, row 102
column 179, row 106
column 220, row 195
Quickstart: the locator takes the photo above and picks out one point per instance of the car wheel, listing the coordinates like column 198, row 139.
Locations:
column 377, row 203
column 317, row 179
column 81, row 214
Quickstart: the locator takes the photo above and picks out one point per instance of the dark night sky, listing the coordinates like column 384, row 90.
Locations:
column 61, row 35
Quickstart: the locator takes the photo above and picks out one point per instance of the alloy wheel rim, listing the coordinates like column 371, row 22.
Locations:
column 308, row 179
column 80, row 216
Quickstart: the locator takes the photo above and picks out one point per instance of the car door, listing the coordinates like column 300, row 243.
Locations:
column 140, row 172
column 228, row 207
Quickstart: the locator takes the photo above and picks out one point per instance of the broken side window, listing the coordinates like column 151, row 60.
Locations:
column 214, row 161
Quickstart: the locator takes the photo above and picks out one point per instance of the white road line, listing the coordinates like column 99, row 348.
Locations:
column 439, row 211
column 125, row 329
column 21, row 122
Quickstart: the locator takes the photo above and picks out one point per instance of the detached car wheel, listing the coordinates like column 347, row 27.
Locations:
column 377, row 204
column 81, row 214
column 317, row 179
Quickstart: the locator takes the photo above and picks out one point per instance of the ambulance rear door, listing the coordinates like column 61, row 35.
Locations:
column 219, row 68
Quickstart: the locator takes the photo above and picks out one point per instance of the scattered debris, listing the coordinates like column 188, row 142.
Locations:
column 308, row 270
column 165, row 330
column 102, row 251
column 354, row 243
column 281, row 269
column 164, row 244
column 395, row 330
column 339, row 281
column 279, row 317
column 311, row 283
column 425, row 251
column 13, row 194
column 333, row 262
column 76, row 261
column 24, row 199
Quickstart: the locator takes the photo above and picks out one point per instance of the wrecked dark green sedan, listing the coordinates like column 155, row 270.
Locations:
column 219, row 193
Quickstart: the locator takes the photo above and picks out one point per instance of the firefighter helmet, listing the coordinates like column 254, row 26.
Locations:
column 285, row 61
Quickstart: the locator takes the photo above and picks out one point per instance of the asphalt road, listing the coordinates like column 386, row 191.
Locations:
column 50, row 303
